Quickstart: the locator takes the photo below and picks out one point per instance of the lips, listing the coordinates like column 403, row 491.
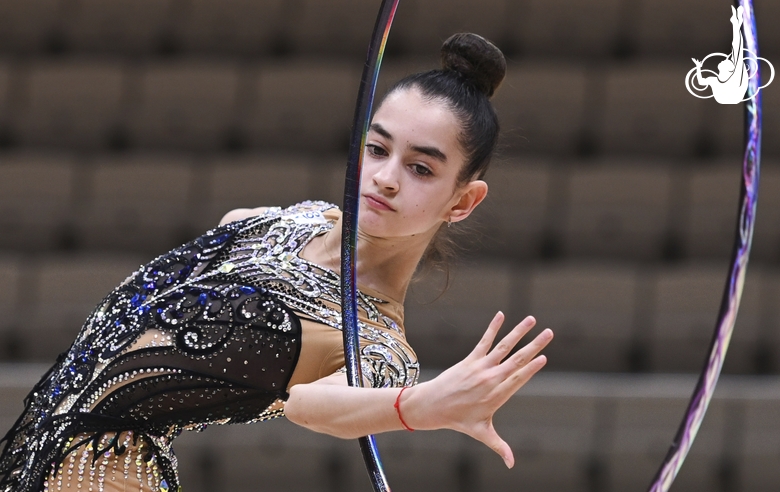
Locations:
column 377, row 202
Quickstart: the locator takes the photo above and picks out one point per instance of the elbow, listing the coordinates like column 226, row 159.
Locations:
column 293, row 409
column 297, row 411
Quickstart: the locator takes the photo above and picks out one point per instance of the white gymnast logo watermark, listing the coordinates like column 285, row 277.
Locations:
column 730, row 84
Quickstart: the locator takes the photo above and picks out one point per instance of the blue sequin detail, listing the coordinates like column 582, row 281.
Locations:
column 137, row 300
column 217, row 240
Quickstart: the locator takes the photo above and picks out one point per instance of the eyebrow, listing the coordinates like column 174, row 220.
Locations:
column 431, row 152
column 381, row 130
column 427, row 150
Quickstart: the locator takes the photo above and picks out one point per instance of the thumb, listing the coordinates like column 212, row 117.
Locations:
column 490, row 438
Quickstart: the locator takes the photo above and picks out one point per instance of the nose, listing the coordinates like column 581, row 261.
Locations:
column 386, row 176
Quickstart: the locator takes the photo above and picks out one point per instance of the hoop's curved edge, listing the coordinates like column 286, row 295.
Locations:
column 724, row 327
column 349, row 316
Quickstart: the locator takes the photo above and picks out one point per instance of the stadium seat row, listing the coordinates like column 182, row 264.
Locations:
column 569, row 433
column 559, row 108
column 616, row 208
column 606, row 316
column 342, row 27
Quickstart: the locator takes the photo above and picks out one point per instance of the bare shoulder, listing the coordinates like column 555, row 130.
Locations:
column 242, row 213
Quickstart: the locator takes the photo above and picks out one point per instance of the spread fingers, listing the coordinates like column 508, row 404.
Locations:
column 522, row 357
column 506, row 345
column 486, row 341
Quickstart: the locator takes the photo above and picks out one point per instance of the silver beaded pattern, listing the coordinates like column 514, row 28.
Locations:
column 214, row 320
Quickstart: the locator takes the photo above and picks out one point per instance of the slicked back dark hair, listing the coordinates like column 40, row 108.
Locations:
column 472, row 69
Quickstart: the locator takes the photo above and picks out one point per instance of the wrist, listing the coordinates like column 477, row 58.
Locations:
column 414, row 407
column 397, row 407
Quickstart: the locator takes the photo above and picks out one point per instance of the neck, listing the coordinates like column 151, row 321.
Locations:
column 385, row 265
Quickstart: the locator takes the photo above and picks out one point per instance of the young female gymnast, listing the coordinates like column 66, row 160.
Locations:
column 243, row 323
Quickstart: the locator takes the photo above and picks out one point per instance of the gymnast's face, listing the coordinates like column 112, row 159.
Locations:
column 410, row 169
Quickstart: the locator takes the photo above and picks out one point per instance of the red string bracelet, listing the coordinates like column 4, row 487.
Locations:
column 398, row 409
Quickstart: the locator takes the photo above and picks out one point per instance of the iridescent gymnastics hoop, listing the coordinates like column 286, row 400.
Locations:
column 727, row 315
column 349, row 318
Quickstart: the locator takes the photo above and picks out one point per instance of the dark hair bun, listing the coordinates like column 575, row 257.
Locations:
column 476, row 58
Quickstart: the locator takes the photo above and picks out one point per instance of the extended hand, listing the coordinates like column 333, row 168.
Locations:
column 697, row 62
column 465, row 396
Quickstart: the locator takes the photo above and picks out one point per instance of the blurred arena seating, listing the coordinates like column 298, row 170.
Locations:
column 130, row 126
column 70, row 104
column 38, row 193
column 128, row 197
column 565, row 29
column 572, row 432
column 618, row 210
column 590, row 322
column 542, row 107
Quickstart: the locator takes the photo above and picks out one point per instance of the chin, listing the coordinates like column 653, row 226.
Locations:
column 370, row 226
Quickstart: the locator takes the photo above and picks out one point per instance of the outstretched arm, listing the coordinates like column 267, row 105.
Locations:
column 462, row 398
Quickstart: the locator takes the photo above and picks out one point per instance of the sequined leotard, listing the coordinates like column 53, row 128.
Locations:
column 212, row 332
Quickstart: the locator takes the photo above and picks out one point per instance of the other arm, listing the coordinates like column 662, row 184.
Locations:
column 463, row 398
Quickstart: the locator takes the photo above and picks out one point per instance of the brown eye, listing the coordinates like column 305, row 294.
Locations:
column 420, row 170
column 376, row 150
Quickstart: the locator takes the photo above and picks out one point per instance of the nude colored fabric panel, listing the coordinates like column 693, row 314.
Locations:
column 110, row 472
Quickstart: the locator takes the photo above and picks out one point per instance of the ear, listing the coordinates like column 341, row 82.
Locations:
column 471, row 195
